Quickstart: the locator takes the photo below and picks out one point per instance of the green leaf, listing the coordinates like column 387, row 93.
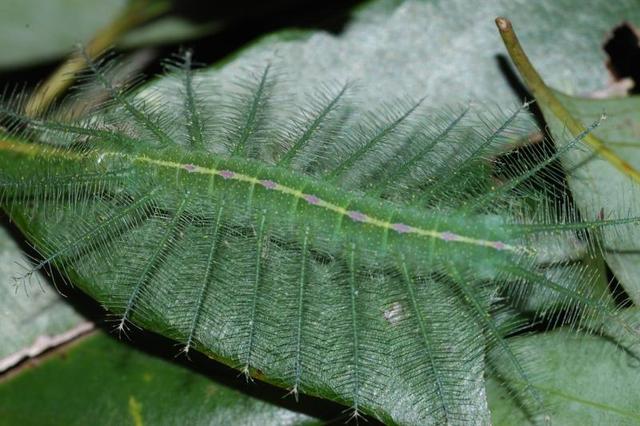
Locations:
column 33, row 31
column 586, row 380
column 298, row 271
column 98, row 379
column 362, row 270
column 604, row 176
column 601, row 189
column 29, row 323
column 212, row 268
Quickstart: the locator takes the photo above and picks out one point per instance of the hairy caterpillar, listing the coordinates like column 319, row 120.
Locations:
column 376, row 258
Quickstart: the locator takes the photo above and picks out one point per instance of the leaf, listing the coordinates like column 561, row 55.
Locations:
column 196, row 231
column 589, row 380
column 32, row 31
column 27, row 322
column 99, row 379
column 604, row 178
column 367, row 268
column 601, row 190
column 449, row 52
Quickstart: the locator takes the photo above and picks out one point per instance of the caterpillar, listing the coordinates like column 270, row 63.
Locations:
column 377, row 257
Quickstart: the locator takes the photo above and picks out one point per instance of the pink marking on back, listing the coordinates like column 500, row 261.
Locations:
column 401, row 228
column 357, row 216
column 449, row 236
column 311, row 199
column 189, row 167
column 499, row 245
column 226, row 174
column 269, row 184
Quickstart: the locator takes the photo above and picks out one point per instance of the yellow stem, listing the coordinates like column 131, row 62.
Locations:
column 137, row 13
column 545, row 96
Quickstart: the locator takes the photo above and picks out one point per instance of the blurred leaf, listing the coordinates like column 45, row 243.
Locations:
column 584, row 380
column 32, row 31
column 35, row 31
column 99, row 380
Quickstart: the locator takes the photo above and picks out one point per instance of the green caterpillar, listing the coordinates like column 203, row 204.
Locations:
column 337, row 253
